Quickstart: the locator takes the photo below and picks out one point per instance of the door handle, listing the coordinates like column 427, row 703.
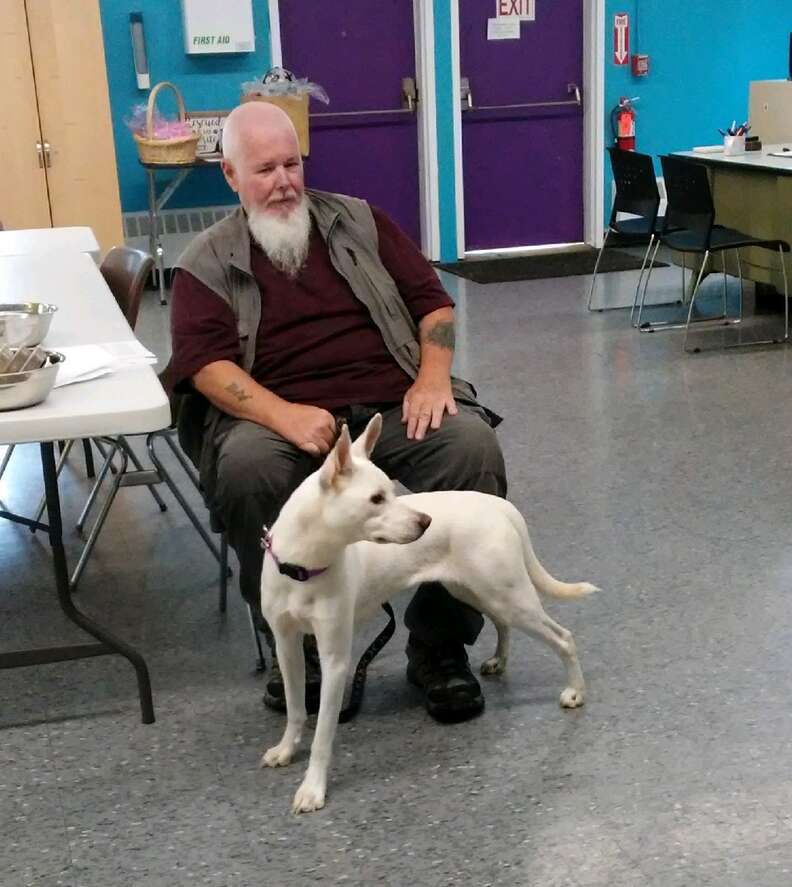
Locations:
column 409, row 94
column 40, row 153
column 47, row 155
column 465, row 94
column 467, row 100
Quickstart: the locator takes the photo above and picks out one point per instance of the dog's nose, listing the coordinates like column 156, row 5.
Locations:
column 423, row 522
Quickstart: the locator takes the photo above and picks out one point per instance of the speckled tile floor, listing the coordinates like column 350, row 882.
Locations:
column 661, row 477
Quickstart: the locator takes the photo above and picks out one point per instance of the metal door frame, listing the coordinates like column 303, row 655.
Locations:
column 593, row 135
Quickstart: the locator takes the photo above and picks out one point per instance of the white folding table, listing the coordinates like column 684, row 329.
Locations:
column 130, row 401
column 45, row 241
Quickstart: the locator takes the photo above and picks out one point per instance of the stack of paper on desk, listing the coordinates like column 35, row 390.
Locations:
column 84, row 362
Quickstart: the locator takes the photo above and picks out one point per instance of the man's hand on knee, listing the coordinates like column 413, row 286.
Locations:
column 425, row 404
column 310, row 429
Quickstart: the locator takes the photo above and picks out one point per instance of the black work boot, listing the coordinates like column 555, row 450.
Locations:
column 451, row 692
column 275, row 696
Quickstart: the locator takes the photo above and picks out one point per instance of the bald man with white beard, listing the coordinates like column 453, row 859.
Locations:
column 300, row 311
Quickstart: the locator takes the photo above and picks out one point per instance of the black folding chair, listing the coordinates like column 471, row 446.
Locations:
column 638, row 196
column 692, row 213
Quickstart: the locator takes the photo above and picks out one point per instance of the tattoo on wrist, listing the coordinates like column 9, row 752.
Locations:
column 238, row 392
column 442, row 334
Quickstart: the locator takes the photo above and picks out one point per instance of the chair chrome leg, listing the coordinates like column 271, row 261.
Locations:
column 100, row 520
column 693, row 297
column 740, row 275
column 260, row 663
column 641, row 275
column 594, row 273
column 8, row 453
column 167, row 436
column 223, row 600
column 725, row 281
column 642, row 303
column 177, row 495
column 786, row 294
column 106, row 466
column 138, row 467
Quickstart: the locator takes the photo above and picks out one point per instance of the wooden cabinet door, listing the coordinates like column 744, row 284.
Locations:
column 74, row 107
column 24, row 202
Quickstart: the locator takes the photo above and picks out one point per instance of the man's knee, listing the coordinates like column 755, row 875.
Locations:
column 255, row 461
column 466, row 455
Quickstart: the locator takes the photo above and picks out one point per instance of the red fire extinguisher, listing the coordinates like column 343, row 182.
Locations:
column 623, row 123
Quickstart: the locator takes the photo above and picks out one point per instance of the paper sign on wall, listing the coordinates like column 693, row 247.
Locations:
column 621, row 38
column 524, row 10
column 507, row 28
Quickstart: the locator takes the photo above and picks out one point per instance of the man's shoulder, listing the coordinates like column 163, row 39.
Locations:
column 336, row 201
column 214, row 241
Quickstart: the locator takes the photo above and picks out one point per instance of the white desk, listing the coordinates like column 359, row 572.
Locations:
column 753, row 193
column 751, row 160
column 127, row 402
column 43, row 241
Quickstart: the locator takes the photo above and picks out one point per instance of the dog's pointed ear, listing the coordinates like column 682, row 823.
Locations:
column 338, row 461
column 364, row 445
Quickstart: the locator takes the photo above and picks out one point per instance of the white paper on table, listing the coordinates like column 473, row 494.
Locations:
column 84, row 362
column 507, row 27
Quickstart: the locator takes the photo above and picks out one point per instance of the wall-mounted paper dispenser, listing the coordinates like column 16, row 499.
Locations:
column 139, row 50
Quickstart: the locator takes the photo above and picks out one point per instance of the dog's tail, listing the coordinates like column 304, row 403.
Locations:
column 543, row 581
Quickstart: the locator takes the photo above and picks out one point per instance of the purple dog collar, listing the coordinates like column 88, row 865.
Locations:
column 293, row 571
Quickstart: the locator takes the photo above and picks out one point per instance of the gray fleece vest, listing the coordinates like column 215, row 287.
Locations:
column 220, row 258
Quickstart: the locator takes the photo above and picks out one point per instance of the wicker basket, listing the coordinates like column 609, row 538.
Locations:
column 165, row 151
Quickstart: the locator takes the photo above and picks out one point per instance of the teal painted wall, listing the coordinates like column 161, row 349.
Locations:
column 703, row 56
column 207, row 83
column 445, row 130
column 701, row 64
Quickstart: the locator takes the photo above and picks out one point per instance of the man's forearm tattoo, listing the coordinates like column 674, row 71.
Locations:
column 238, row 392
column 441, row 334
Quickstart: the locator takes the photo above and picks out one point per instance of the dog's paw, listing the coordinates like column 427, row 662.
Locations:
column 495, row 665
column 278, row 756
column 571, row 697
column 308, row 798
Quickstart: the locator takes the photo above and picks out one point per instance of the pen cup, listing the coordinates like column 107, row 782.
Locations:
column 733, row 145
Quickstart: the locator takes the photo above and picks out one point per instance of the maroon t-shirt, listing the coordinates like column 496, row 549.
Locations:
column 316, row 342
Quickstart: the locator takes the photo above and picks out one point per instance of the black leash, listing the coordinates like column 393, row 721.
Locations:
column 359, row 677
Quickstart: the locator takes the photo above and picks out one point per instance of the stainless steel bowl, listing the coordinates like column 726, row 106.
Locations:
column 25, row 323
column 18, row 390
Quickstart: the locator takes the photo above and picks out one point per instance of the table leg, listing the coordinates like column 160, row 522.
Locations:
column 110, row 643
column 155, row 241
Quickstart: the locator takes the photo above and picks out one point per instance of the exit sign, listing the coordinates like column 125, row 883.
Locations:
column 525, row 10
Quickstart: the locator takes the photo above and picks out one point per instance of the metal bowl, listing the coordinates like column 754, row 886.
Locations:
column 18, row 390
column 25, row 324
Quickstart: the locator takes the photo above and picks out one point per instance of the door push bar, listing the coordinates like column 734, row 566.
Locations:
column 409, row 101
column 466, row 97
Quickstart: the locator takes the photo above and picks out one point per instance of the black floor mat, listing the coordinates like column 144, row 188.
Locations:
column 536, row 267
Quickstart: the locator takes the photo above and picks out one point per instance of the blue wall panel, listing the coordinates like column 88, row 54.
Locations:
column 207, row 82
column 703, row 56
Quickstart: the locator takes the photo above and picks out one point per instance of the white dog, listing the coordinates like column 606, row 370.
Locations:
column 327, row 568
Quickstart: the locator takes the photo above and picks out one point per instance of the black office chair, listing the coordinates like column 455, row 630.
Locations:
column 638, row 196
column 692, row 213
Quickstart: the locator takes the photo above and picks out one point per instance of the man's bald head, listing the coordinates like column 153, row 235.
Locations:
column 252, row 122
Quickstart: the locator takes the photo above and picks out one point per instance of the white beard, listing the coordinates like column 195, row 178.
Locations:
column 284, row 240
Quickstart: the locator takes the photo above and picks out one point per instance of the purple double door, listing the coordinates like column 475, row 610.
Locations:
column 364, row 143
column 522, row 127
